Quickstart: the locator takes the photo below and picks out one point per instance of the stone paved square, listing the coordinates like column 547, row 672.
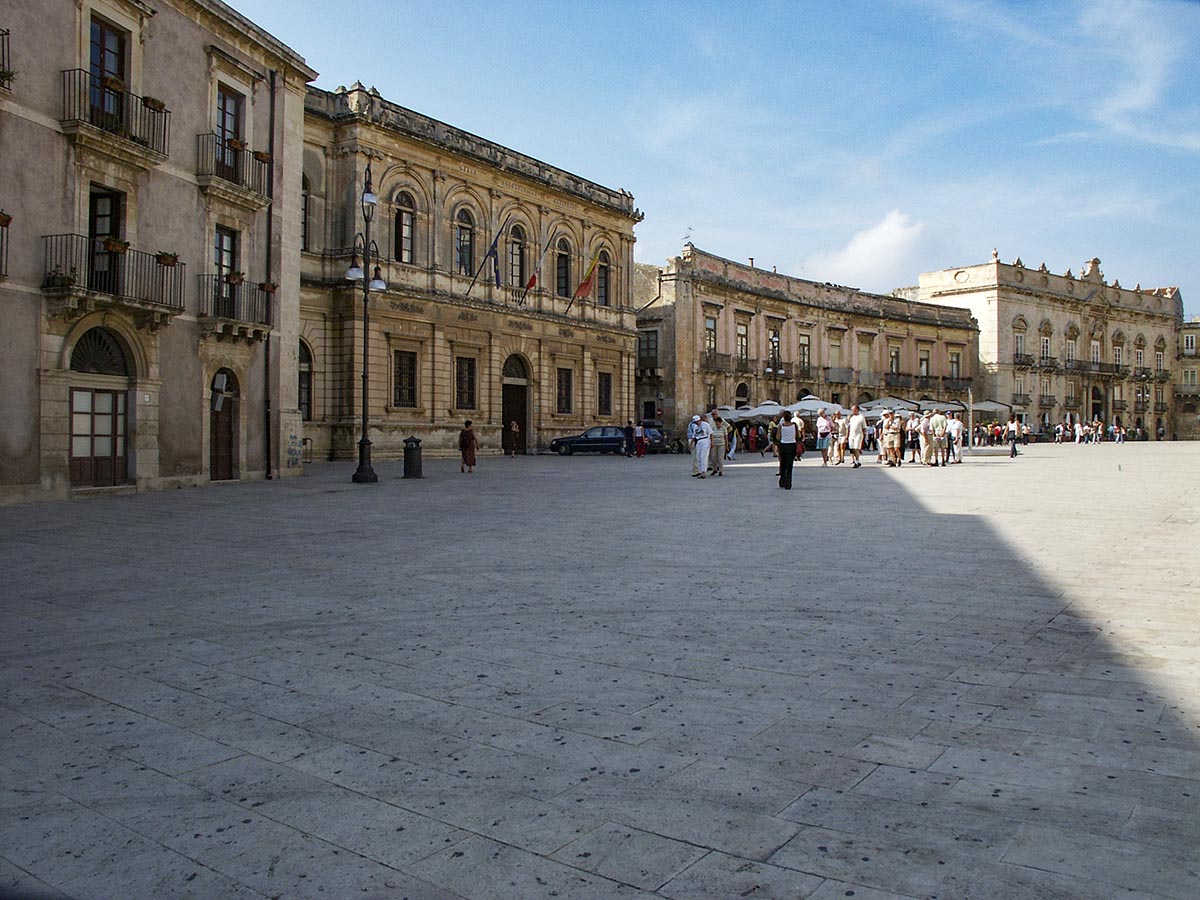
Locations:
column 600, row 678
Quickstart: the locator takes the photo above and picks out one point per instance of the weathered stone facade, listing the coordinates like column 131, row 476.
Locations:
column 444, row 346
column 114, row 315
column 1061, row 348
column 717, row 332
column 1186, row 425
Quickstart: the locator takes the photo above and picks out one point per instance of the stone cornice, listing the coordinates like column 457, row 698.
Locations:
column 368, row 106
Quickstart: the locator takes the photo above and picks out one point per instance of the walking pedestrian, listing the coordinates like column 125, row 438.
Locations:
column 639, row 440
column 841, row 427
column 701, row 442
column 787, row 440
column 716, row 452
column 731, row 453
column 629, row 437
column 937, row 433
column 856, row 434
column 912, row 432
column 1012, row 433
column 467, row 445
column 514, row 438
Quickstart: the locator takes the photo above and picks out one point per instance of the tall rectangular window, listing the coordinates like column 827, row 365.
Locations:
column 229, row 129
column 835, row 353
column 1158, row 360
column 225, row 262
column 710, row 334
column 464, row 382
column 1045, row 347
column 864, row 357
column 1046, row 387
column 923, row 363
column 603, row 297
column 565, row 391
column 1189, row 343
column 894, row 358
column 804, row 351
column 743, row 341
column 955, row 364
column 1019, row 344
column 773, row 352
column 604, row 393
column 404, row 379
column 1118, row 354
column 1070, row 350
column 1095, row 351
column 647, row 349
column 1139, row 358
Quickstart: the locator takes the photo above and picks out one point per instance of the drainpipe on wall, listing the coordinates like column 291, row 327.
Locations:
column 270, row 297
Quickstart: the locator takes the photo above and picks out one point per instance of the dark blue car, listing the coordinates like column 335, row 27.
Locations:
column 600, row 439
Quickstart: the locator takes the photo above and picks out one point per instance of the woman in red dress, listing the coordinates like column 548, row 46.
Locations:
column 467, row 445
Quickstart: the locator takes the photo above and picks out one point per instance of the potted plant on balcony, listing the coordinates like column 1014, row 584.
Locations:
column 115, row 245
column 262, row 156
column 154, row 104
column 57, row 278
column 7, row 75
column 235, row 143
column 234, row 277
column 170, row 260
column 5, row 219
column 112, row 83
column 268, row 287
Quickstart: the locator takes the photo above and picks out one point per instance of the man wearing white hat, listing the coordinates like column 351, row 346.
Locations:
column 700, row 434
column 856, row 434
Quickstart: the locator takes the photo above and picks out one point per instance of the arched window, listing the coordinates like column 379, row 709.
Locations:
column 304, row 193
column 603, row 282
column 99, row 352
column 516, row 257
column 405, row 228
column 304, row 387
column 741, row 395
column 464, row 243
column 562, row 263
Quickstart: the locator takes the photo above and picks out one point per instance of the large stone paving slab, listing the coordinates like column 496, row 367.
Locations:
column 600, row 678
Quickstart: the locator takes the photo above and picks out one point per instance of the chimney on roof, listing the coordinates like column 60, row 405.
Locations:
column 752, row 262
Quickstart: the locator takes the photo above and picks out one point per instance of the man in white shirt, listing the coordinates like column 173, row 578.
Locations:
column 937, row 433
column 701, row 444
column 856, row 434
column 954, row 436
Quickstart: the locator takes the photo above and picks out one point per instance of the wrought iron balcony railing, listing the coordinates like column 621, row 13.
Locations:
column 78, row 263
column 105, row 104
column 715, row 362
column 839, row 375
column 1142, row 372
column 1120, row 405
column 925, row 382
column 744, row 364
column 241, row 302
column 647, row 362
column 1140, row 405
column 1163, row 375
column 956, row 384
column 1161, row 406
column 897, row 379
column 1020, row 399
column 231, row 162
column 1048, row 362
column 1023, row 360
column 1068, row 403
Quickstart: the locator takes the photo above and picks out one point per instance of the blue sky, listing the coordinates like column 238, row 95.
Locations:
column 854, row 142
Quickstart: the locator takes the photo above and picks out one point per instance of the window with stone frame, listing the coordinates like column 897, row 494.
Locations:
column 1069, row 350
column 1019, row 343
column 304, row 382
column 565, row 391
column 404, row 229
column 1118, row 354
column 404, row 379
column 562, row 268
column 305, row 195
column 648, row 349
column 604, row 393
column 923, row 358
column 955, row 364
column 894, row 358
column 743, row 341
column 804, row 351
column 603, row 280
column 1158, row 360
column 517, row 275
column 464, row 382
column 464, row 243
column 710, row 334
column 1189, row 343
column 1095, row 351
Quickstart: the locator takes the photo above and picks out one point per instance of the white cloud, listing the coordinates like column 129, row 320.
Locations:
column 877, row 258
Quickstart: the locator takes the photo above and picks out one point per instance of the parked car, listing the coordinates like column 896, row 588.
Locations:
column 656, row 441
column 600, row 439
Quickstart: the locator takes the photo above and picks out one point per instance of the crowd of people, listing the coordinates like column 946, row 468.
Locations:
column 931, row 438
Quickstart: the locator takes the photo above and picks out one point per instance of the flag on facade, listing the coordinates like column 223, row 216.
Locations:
column 585, row 287
column 537, row 269
column 493, row 253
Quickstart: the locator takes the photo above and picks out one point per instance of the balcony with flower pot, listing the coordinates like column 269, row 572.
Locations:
column 233, row 309
column 83, row 273
column 227, row 168
column 101, row 115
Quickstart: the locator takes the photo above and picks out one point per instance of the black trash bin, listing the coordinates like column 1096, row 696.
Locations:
column 412, row 457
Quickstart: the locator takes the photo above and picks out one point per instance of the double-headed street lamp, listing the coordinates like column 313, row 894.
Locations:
column 364, row 474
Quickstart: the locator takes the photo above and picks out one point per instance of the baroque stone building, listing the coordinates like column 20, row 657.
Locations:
column 1061, row 348
column 715, row 332
column 150, row 187
column 455, row 335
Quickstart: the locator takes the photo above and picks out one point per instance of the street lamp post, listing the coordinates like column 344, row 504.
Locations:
column 371, row 280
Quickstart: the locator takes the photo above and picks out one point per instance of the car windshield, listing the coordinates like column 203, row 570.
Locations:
column 593, row 432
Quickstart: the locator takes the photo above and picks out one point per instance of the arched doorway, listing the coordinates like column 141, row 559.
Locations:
column 223, row 427
column 99, row 411
column 741, row 395
column 515, row 403
column 1098, row 405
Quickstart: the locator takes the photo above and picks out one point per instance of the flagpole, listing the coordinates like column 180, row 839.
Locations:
column 587, row 280
column 537, row 270
column 491, row 252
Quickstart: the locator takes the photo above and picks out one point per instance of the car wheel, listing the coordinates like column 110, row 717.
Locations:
column 563, row 450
